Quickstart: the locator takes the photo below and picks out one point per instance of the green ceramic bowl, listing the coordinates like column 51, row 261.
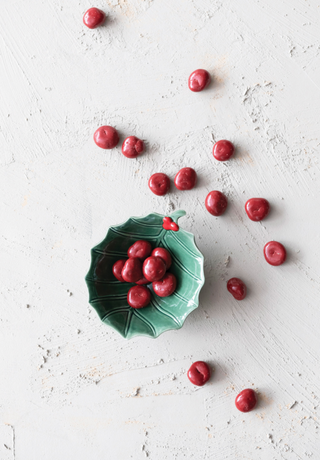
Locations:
column 108, row 296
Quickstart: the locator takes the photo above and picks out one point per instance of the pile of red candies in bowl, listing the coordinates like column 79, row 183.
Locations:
column 145, row 266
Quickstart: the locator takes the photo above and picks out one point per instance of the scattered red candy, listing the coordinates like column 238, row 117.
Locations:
column 223, row 150
column 198, row 80
column 132, row 147
column 93, row 18
column 168, row 224
column 185, row 179
column 216, row 203
column 246, row 400
column 117, row 269
column 159, row 184
column 140, row 249
column 237, row 288
column 274, row 253
column 138, row 297
column 257, row 208
column 106, row 137
column 153, row 269
column 166, row 286
column 199, row 373
column 164, row 255
column 132, row 271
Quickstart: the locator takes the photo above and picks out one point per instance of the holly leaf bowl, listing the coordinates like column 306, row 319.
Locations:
column 108, row 296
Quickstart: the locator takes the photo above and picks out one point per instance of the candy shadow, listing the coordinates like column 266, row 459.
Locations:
column 218, row 371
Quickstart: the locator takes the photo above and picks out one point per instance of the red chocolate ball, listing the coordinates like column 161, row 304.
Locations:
column 216, row 203
column 93, row 17
column 159, row 184
column 199, row 373
column 246, row 400
column 198, row 80
column 117, row 269
column 166, row 286
column 140, row 249
column 164, row 255
column 237, row 288
column 185, row 179
column 153, row 268
column 274, row 253
column 132, row 147
column 143, row 281
column 138, row 297
column 257, row 208
column 106, row 137
column 132, row 271
column 223, row 150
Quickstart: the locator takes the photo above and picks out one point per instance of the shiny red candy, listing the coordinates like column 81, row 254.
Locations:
column 257, row 208
column 106, row 137
column 237, row 288
column 274, row 253
column 166, row 286
column 185, row 179
column 132, row 271
column 223, row 150
column 138, row 297
column 117, row 269
column 216, row 203
column 93, row 18
column 132, row 147
column 141, row 249
column 246, row 400
column 143, row 281
column 199, row 373
column 153, row 269
column 159, row 184
column 168, row 224
column 198, row 80
column 164, row 255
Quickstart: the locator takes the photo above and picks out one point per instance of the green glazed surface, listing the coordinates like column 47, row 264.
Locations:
column 108, row 296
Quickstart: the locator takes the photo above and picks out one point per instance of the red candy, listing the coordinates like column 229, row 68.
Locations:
column 168, row 224
column 140, row 249
column 153, row 269
column 257, row 208
column 106, row 137
column 131, row 271
column 223, row 150
column 132, row 147
column 164, row 255
column 185, row 179
column 143, row 281
column 166, row 286
column 93, row 18
column 237, row 288
column 274, row 253
column 138, row 297
column 117, row 269
column 198, row 80
column 159, row 184
column 246, row 400
column 199, row 373
column 216, row 203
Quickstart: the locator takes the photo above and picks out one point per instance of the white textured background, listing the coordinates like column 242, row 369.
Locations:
column 70, row 387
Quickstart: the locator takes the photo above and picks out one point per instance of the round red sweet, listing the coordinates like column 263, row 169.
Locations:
column 141, row 249
column 106, row 137
column 216, row 203
column 159, row 184
column 166, row 286
column 185, row 179
column 143, row 281
column 153, row 269
column 93, row 18
column 138, row 297
column 237, row 288
column 199, row 373
column 257, row 208
column 132, row 147
column 198, row 80
column 164, row 255
column 117, row 269
column 132, row 270
column 274, row 253
column 246, row 400
column 223, row 150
